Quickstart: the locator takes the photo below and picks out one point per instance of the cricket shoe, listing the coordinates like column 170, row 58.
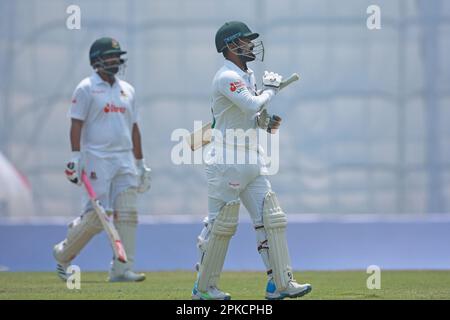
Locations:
column 128, row 276
column 213, row 293
column 61, row 267
column 293, row 290
column 61, row 271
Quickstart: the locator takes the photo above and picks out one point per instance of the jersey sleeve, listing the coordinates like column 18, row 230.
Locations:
column 81, row 101
column 234, row 88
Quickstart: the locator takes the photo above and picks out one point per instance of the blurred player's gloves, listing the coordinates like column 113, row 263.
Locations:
column 143, row 176
column 73, row 168
column 272, row 79
column 267, row 122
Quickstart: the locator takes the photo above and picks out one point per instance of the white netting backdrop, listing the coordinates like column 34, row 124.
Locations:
column 367, row 129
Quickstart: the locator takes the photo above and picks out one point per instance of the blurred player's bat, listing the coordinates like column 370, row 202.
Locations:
column 107, row 222
column 202, row 137
column 294, row 77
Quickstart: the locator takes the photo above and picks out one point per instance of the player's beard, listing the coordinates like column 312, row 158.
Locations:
column 113, row 66
column 246, row 54
column 113, row 70
column 248, row 57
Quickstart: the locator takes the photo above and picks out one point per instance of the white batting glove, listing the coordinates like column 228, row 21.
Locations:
column 74, row 168
column 272, row 79
column 144, row 177
column 267, row 122
column 263, row 119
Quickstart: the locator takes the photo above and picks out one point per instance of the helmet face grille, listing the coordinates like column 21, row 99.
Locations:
column 253, row 50
column 104, row 65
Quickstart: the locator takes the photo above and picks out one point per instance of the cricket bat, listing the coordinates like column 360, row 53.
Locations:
column 106, row 221
column 201, row 137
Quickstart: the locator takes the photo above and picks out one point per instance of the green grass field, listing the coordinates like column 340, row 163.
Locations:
column 241, row 285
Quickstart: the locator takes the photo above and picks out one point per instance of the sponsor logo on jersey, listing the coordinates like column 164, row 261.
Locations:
column 237, row 86
column 113, row 108
column 93, row 175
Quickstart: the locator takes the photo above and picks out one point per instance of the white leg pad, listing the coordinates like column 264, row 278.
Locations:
column 215, row 248
column 125, row 221
column 202, row 240
column 80, row 231
column 275, row 222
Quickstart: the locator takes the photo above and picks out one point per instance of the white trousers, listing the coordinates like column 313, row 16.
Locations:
column 244, row 182
column 109, row 175
column 232, row 182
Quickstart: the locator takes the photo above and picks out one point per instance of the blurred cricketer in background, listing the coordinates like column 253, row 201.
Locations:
column 237, row 104
column 106, row 144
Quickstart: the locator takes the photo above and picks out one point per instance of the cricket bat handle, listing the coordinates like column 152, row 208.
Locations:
column 87, row 184
column 284, row 83
column 294, row 77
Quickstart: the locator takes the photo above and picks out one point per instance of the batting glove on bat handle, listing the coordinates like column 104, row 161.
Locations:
column 73, row 168
column 272, row 79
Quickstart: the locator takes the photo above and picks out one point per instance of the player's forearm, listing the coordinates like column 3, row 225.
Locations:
column 257, row 102
column 250, row 103
column 137, row 146
column 75, row 134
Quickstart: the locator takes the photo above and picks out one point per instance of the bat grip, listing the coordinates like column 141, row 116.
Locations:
column 294, row 77
column 88, row 186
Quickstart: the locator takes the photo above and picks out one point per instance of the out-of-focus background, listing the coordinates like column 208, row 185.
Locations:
column 364, row 137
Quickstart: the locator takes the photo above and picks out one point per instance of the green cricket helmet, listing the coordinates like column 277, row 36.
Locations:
column 234, row 32
column 101, row 50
